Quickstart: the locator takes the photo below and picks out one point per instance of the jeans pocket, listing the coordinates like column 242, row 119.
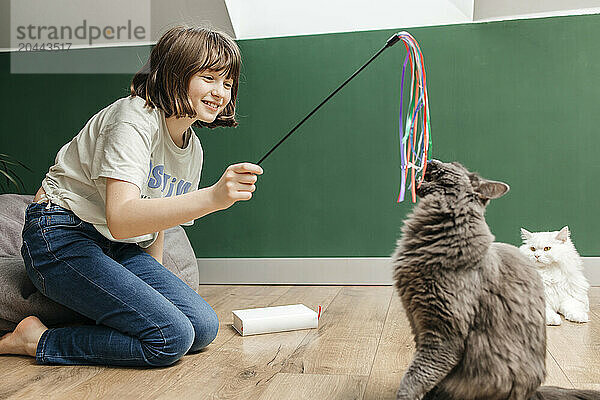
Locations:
column 54, row 220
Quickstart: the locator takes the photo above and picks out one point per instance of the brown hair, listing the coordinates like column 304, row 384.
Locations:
column 181, row 53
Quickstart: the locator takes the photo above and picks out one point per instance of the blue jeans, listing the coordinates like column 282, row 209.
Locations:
column 144, row 314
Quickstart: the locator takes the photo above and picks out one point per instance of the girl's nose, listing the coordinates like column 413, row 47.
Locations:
column 217, row 92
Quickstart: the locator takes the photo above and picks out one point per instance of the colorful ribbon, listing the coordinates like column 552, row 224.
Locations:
column 414, row 152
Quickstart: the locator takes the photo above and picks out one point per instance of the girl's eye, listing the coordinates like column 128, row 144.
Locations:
column 228, row 85
column 532, row 248
column 207, row 77
column 546, row 248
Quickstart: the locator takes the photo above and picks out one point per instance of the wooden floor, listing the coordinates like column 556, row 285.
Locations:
column 360, row 351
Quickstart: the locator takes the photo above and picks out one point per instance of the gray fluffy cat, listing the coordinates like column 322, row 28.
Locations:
column 476, row 308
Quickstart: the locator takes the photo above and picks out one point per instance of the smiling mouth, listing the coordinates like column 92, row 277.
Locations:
column 211, row 105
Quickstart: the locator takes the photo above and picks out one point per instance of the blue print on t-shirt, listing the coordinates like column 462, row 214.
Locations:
column 158, row 177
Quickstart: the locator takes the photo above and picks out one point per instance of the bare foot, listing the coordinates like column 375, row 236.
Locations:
column 24, row 339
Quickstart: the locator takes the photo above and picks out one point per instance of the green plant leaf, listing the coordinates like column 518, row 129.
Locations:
column 16, row 162
column 10, row 178
column 16, row 176
column 9, row 174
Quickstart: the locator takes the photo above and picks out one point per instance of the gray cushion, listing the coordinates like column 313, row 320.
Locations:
column 19, row 298
column 12, row 218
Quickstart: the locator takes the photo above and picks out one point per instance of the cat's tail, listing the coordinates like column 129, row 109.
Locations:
column 556, row 393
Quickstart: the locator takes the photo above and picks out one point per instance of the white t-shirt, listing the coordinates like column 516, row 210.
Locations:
column 123, row 141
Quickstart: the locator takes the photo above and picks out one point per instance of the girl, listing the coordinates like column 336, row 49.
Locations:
column 93, row 236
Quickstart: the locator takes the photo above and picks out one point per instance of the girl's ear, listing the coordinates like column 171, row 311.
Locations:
column 525, row 234
column 492, row 189
column 563, row 235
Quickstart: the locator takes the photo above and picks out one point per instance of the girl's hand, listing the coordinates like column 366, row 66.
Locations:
column 237, row 183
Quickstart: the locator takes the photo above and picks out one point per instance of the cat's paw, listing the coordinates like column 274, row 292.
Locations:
column 553, row 319
column 577, row 316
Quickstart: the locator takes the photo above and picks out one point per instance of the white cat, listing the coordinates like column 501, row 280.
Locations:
column 561, row 270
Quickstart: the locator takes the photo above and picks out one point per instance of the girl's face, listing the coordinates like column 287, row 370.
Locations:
column 209, row 92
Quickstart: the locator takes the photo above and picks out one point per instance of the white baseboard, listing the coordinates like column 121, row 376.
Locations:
column 591, row 269
column 318, row 271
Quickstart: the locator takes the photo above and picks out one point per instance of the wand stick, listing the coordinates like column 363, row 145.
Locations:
column 390, row 42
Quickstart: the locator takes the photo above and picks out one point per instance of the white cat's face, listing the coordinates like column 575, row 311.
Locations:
column 545, row 248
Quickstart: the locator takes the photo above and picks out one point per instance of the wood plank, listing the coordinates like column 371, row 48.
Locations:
column 589, row 386
column 396, row 350
column 243, row 367
column 312, row 386
column 555, row 376
column 349, row 333
column 246, row 360
column 9, row 363
column 14, row 370
column 28, row 383
column 394, row 354
column 120, row 382
column 576, row 347
column 261, row 366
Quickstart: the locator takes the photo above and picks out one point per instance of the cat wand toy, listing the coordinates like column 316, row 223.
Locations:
column 413, row 153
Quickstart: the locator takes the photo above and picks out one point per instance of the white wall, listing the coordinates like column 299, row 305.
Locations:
column 271, row 18
column 465, row 6
column 487, row 10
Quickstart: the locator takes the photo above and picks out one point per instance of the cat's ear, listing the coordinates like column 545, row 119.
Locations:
column 563, row 235
column 492, row 189
column 525, row 234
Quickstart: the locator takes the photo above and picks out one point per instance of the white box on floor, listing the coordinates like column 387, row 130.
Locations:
column 274, row 319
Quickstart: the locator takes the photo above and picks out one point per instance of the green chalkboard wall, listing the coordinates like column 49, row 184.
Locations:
column 516, row 101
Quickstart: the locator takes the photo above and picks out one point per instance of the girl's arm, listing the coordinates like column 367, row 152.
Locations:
column 127, row 215
column 156, row 248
